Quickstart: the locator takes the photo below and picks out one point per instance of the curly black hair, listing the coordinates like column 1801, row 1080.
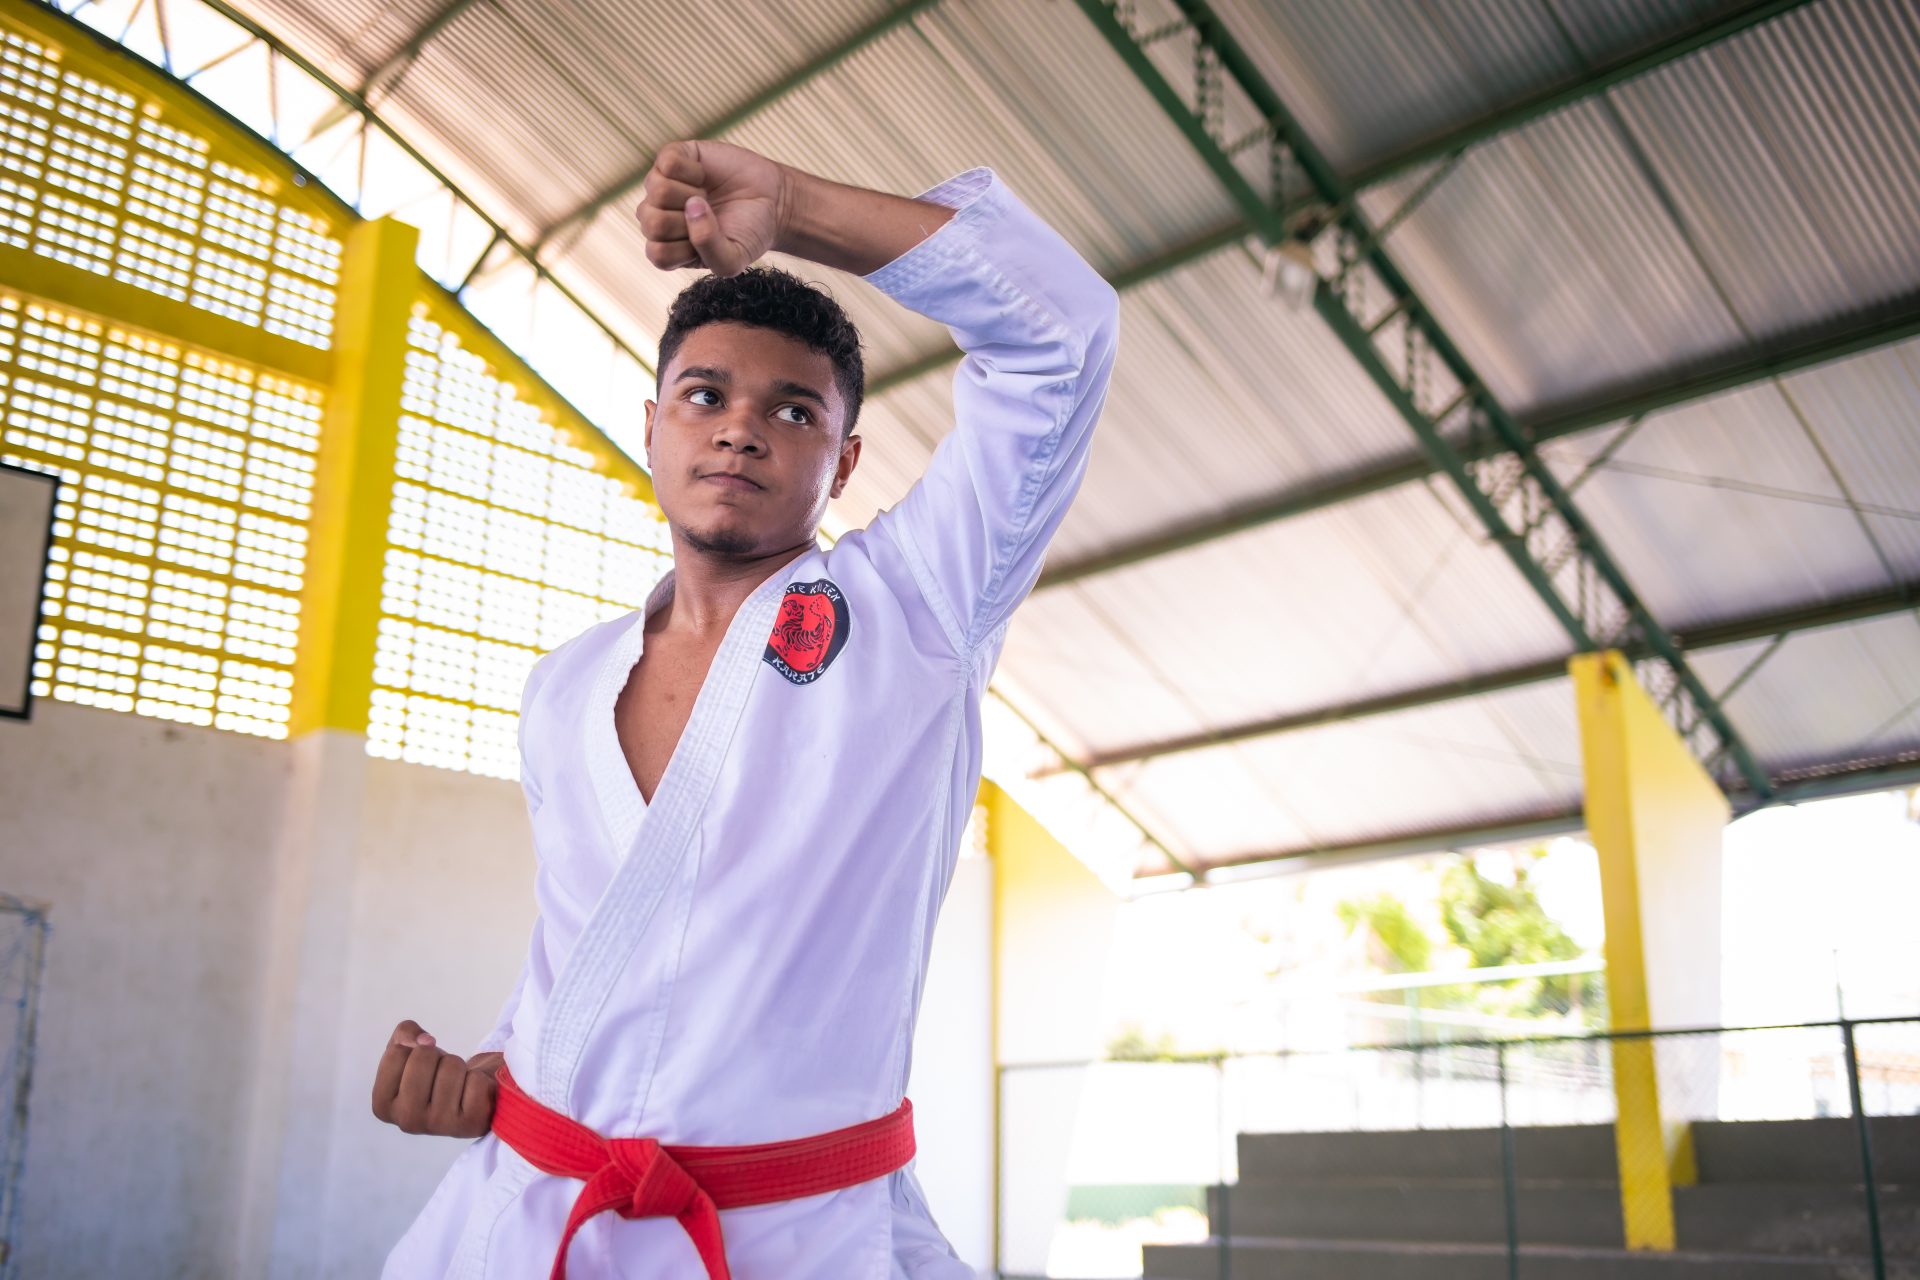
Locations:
column 770, row 298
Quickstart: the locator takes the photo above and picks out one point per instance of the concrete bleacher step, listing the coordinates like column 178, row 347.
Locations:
column 1779, row 1198
column 1563, row 1153
column 1808, row 1219
column 1773, row 1151
column 1255, row 1258
column 1806, row 1150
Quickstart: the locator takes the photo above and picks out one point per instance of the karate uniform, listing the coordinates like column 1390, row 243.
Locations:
column 741, row 961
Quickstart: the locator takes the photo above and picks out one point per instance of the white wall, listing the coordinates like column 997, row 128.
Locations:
column 237, row 925
column 150, row 846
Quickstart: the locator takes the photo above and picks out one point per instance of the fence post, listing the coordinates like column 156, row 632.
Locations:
column 1507, row 1176
column 1865, row 1132
column 1220, row 1166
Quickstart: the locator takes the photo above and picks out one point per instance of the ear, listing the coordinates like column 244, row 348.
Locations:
column 843, row 472
column 646, row 434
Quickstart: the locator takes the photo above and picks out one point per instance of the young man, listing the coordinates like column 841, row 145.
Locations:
column 748, row 797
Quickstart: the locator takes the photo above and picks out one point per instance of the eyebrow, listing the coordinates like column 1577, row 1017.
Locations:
column 800, row 389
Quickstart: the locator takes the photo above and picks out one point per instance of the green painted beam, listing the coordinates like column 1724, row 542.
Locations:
column 397, row 63
column 1593, row 567
column 1857, row 779
column 1506, row 119
column 1524, row 111
column 901, row 13
column 1736, row 630
column 1883, row 330
column 1536, row 826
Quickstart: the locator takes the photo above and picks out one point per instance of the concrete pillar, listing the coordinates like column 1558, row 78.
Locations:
column 353, row 490
column 1655, row 818
column 295, row 1081
column 1053, row 930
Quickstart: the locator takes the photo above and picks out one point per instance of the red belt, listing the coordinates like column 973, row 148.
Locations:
column 639, row 1178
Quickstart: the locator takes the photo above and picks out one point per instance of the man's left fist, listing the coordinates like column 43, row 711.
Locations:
column 712, row 205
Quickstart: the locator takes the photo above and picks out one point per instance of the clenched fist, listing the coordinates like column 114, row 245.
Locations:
column 713, row 205
column 421, row 1088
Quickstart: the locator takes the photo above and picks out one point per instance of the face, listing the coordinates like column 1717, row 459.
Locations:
column 745, row 441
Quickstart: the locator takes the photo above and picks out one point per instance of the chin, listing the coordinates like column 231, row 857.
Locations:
column 723, row 541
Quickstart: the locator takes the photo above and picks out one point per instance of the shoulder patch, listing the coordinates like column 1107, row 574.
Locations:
column 809, row 632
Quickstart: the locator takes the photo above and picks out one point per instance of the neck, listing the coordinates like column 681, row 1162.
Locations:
column 708, row 588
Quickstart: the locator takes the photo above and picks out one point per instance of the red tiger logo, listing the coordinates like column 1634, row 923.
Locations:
column 809, row 631
column 804, row 631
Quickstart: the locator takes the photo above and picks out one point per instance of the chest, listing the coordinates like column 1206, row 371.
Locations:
column 652, row 710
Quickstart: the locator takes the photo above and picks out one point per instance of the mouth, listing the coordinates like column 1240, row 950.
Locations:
column 731, row 480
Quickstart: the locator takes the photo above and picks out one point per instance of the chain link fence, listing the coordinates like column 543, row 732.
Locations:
column 1790, row 1150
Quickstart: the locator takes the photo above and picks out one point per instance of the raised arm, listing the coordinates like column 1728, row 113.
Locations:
column 1038, row 325
column 718, row 206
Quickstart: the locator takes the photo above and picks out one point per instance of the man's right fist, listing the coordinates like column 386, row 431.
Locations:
column 424, row 1089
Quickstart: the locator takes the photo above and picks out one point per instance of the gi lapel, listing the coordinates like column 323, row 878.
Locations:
column 642, row 879
column 621, row 807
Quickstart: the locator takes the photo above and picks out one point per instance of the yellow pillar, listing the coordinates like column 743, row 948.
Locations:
column 1053, row 926
column 353, row 489
column 1655, row 818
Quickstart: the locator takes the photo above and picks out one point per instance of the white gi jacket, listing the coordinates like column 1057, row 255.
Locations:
column 742, row 961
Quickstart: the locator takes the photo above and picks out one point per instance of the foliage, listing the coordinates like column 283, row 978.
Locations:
column 1399, row 944
column 1496, row 922
column 1132, row 1045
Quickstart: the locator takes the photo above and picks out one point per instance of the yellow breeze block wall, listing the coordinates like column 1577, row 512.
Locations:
column 166, row 348
column 513, row 527
column 164, row 323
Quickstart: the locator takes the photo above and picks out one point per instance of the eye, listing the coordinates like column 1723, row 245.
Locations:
column 801, row 418
column 704, row 391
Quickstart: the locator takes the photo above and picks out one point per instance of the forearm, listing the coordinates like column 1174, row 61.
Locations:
column 850, row 228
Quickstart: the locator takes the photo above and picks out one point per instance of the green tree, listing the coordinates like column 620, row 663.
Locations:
column 1397, row 942
column 1496, row 924
column 1504, row 924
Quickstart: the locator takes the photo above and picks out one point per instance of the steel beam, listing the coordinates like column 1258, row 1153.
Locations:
column 902, row 12
column 395, row 65
column 1415, row 364
column 1857, row 779
column 1506, row 119
column 1545, row 102
column 1736, row 630
column 1895, row 326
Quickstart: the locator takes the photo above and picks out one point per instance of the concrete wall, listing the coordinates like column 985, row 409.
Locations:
column 237, row 925
column 151, row 846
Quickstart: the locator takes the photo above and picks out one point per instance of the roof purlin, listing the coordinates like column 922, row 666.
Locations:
column 1556, row 549
column 1736, row 630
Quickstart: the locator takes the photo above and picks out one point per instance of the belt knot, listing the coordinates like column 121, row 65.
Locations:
column 660, row 1187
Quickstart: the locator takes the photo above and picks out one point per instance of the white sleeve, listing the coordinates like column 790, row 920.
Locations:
column 1039, row 328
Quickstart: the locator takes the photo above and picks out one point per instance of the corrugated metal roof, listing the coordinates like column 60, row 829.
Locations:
column 1763, row 188
column 1837, row 695
column 345, row 38
column 1555, row 268
column 1722, row 508
column 1865, row 414
column 1368, row 598
column 1793, row 155
column 1481, row 760
column 1367, row 77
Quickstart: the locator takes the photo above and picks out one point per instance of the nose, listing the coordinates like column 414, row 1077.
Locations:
column 740, row 433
